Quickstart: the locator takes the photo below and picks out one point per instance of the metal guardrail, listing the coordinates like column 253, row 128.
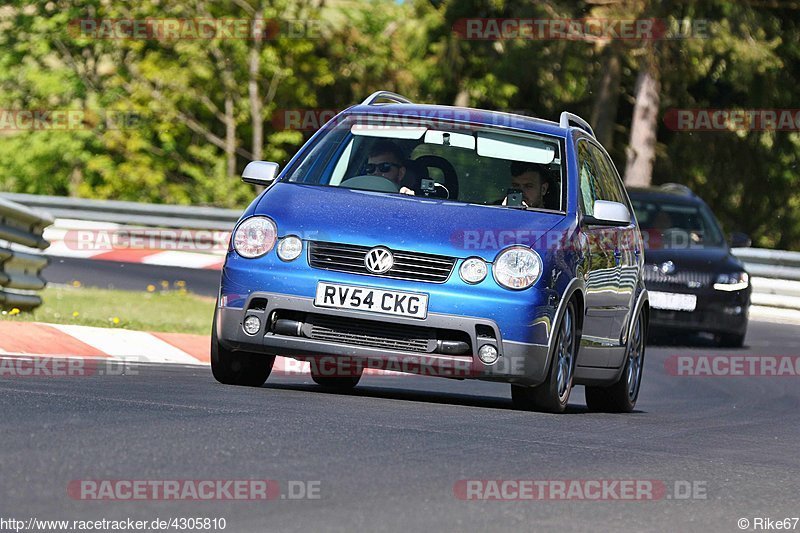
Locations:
column 773, row 264
column 20, row 272
column 775, row 276
column 131, row 213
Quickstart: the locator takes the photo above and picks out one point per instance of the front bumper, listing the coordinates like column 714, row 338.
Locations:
column 716, row 312
column 518, row 362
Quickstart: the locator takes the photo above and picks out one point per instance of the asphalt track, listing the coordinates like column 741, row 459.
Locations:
column 388, row 455
column 128, row 276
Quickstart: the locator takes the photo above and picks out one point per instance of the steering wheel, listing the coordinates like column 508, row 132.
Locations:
column 675, row 237
column 441, row 191
column 371, row 183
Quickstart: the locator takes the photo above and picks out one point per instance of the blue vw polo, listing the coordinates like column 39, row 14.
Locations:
column 439, row 240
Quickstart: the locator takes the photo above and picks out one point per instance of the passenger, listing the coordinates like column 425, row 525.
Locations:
column 529, row 178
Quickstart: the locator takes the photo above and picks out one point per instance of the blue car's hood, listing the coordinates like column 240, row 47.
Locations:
column 403, row 223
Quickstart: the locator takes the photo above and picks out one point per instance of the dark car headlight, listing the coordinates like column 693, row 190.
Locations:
column 733, row 281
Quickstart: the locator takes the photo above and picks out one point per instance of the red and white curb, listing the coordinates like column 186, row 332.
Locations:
column 59, row 340
column 106, row 241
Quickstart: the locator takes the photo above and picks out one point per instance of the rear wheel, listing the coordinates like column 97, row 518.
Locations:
column 552, row 395
column 238, row 368
column 621, row 396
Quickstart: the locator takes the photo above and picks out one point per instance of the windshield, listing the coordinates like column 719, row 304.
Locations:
column 455, row 162
column 677, row 226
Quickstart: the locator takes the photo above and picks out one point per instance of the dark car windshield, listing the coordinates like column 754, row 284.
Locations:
column 457, row 162
column 677, row 225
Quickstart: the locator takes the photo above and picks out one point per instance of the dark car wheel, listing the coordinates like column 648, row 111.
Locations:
column 731, row 340
column 238, row 368
column 552, row 395
column 621, row 396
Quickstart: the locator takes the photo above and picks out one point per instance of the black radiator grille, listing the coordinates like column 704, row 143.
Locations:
column 407, row 265
column 385, row 335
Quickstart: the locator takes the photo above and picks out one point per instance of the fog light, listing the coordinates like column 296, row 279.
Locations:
column 487, row 354
column 473, row 270
column 290, row 248
column 252, row 325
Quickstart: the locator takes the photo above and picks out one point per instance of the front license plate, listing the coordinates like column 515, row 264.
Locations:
column 672, row 301
column 410, row 304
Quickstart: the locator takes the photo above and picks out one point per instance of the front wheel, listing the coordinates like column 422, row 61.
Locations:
column 621, row 396
column 343, row 378
column 552, row 395
column 239, row 368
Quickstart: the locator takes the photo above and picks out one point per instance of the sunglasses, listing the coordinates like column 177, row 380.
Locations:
column 370, row 168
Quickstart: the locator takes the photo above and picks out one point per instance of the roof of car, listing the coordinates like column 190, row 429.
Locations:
column 660, row 194
column 464, row 115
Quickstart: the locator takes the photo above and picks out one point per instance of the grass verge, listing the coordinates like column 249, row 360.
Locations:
column 174, row 311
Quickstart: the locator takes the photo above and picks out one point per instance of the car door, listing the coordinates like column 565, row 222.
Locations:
column 626, row 249
column 601, row 274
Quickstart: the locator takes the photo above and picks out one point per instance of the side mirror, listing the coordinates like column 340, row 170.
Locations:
column 738, row 239
column 260, row 172
column 608, row 214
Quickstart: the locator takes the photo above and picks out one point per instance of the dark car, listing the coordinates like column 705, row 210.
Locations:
column 694, row 281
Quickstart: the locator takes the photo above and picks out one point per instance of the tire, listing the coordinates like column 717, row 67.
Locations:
column 621, row 396
column 731, row 340
column 238, row 368
column 339, row 383
column 344, row 378
column 552, row 395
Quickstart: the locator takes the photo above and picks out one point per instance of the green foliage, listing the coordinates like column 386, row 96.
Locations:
column 175, row 311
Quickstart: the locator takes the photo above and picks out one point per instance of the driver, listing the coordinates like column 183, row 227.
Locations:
column 386, row 160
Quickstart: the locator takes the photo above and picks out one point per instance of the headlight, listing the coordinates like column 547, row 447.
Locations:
column 254, row 237
column 735, row 281
column 290, row 248
column 517, row 267
column 473, row 270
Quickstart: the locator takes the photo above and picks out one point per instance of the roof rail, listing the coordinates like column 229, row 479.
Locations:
column 677, row 188
column 386, row 95
column 567, row 119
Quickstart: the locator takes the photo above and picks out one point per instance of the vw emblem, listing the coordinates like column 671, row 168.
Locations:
column 667, row 268
column 379, row 260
